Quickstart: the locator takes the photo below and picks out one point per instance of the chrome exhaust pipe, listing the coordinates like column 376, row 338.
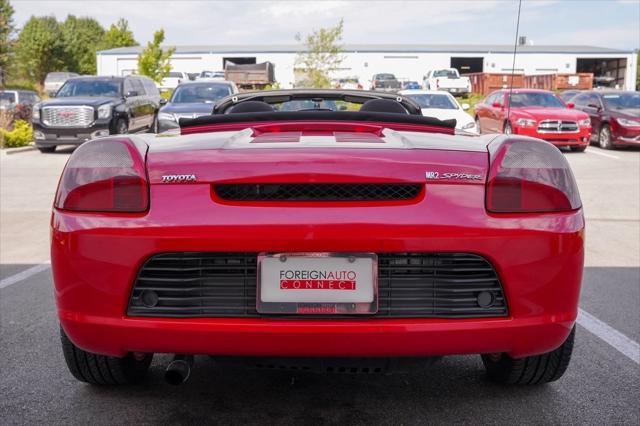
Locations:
column 179, row 370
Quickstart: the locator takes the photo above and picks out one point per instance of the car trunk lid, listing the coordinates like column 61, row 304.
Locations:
column 317, row 157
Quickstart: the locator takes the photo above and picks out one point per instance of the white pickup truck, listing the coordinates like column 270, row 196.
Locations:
column 447, row 79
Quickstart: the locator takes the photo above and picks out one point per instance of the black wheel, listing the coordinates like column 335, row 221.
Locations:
column 580, row 148
column 532, row 370
column 507, row 128
column 46, row 149
column 101, row 369
column 121, row 127
column 604, row 137
column 478, row 126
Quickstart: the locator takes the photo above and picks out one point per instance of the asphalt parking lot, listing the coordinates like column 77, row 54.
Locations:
column 602, row 384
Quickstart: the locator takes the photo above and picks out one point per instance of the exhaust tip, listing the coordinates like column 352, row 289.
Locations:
column 178, row 370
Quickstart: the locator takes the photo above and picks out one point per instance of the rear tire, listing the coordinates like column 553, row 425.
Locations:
column 604, row 137
column 47, row 149
column 581, row 148
column 101, row 369
column 532, row 370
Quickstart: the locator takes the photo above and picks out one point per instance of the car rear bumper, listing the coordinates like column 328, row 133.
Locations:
column 317, row 338
column 538, row 259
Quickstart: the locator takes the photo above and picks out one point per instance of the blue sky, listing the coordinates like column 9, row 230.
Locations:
column 605, row 23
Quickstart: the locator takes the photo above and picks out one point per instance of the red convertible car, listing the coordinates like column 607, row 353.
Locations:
column 323, row 233
column 536, row 113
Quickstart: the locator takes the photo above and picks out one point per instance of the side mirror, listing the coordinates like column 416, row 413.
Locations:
column 496, row 105
column 163, row 101
column 131, row 94
column 570, row 105
column 594, row 106
column 465, row 106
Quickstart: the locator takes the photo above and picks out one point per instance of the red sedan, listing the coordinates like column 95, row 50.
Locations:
column 615, row 116
column 323, row 233
column 536, row 113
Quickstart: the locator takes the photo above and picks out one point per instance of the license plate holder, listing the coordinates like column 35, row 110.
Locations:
column 317, row 283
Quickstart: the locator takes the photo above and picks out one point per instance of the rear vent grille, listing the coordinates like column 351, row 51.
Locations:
column 419, row 285
column 318, row 191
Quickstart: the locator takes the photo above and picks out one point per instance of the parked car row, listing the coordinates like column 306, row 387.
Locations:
column 89, row 107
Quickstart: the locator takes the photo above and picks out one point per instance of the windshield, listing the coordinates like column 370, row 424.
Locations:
column 538, row 99
column 108, row 88
column 622, row 100
column 316, row 104
column 7, row 98
column 200, row 93
column 446, row 73
column 385, row 77
column 433, row 101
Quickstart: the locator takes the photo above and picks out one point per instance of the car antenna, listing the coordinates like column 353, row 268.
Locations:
column 513, row 66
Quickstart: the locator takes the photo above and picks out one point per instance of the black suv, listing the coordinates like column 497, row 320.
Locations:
column 88, row 107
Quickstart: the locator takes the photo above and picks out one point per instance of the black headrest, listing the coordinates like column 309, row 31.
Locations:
column 383, row 105
column 251, row 106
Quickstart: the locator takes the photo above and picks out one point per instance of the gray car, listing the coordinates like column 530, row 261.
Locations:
column 192, row 99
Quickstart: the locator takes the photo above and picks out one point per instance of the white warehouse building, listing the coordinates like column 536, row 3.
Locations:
column 406, row 61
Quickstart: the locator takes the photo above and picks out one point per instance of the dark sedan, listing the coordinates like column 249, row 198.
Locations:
column 191, row 100
column 615, row 116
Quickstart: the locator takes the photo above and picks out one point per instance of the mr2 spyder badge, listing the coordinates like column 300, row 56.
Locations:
column 451, row 175
column 178, row 178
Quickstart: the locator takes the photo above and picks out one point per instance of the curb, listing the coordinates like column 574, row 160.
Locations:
column 9, row 151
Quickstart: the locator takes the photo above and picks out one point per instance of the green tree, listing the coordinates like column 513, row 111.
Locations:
column 322, row 54
column 81, row 37
column 118, row 35
column 6, row 31
column 154, row 60
column 40, row 48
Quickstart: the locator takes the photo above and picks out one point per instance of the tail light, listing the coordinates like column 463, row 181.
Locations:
column 106, row 175
column 529, row 176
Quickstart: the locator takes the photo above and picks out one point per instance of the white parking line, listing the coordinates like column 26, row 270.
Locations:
column 623, row 344
column 6, row 282
column 603, row 154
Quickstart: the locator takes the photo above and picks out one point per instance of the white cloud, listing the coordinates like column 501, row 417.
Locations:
column 388, row 21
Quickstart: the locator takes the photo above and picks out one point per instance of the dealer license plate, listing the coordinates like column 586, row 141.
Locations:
column 317, row 283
